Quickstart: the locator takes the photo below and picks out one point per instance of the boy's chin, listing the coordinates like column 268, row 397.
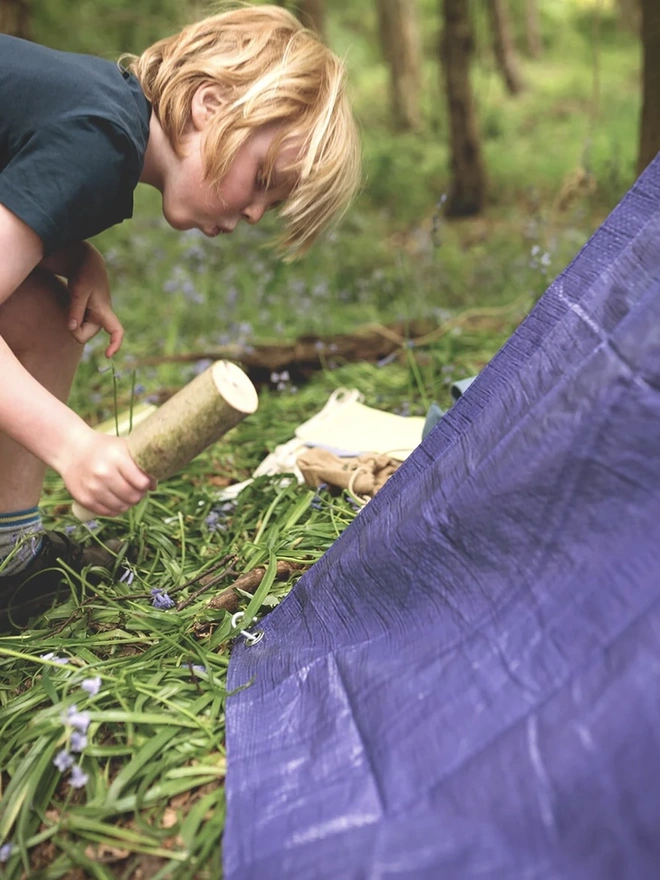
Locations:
column 181, row 224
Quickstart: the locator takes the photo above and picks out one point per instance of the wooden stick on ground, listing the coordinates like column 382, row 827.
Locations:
column 229, row 600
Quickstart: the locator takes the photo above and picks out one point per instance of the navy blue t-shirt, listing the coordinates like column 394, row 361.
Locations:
column 73, row 134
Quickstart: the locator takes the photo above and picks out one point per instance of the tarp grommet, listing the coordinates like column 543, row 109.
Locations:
column 250, row 638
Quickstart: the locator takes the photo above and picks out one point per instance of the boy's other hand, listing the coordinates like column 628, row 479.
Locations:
column 90, row 309
column 100, row 474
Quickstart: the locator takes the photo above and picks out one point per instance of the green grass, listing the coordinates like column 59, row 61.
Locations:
column 155, row 760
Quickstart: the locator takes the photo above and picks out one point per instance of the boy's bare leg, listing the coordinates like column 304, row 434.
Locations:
column 33, row 322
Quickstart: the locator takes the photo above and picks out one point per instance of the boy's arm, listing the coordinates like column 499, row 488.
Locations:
column 100, row 475
column 90, row 308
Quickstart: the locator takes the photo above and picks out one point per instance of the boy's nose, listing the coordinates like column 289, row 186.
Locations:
column 254, row 213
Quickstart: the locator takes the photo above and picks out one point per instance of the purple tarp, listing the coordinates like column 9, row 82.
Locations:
column 467, row 684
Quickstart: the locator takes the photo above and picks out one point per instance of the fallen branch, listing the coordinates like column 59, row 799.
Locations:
column 369, row 343
column 229, row 599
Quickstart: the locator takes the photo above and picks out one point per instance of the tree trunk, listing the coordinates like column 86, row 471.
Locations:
column 649, row 140
column 467, row 188
column 629, row 15
column 505, row 53
column 15, row 18
column 312, row 14
column 533, row 29
column 400, row 41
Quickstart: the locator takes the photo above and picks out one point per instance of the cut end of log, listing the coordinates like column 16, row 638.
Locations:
column 82, row 513
column 235, row 387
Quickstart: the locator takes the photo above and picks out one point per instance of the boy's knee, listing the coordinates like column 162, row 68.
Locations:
column 35, row 315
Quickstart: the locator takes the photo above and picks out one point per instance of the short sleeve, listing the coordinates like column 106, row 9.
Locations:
column 71, row 180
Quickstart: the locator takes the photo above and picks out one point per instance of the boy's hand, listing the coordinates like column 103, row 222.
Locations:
column 101, row 474
column 91, row 308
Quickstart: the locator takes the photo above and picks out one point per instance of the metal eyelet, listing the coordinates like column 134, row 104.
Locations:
column 250, row 638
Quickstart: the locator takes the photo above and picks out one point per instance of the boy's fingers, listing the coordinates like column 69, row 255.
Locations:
column 116, row 332
column 77, row 307
column 85, row 332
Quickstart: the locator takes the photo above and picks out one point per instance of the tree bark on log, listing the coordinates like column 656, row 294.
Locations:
column 400, row 40
column 190, row 421
column 15, row 18
column 649, row 138
column 503, row 47
column 467, row 189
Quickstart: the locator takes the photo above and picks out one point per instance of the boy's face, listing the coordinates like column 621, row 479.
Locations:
column 190, row 202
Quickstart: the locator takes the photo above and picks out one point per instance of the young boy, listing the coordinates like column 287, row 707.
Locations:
column 240, row 113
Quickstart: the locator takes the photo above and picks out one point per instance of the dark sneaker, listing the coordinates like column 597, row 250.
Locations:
column 33, row 590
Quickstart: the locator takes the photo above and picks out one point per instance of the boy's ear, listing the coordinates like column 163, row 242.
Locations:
column 206, row 102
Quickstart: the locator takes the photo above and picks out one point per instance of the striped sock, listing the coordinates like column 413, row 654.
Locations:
column 15, row 529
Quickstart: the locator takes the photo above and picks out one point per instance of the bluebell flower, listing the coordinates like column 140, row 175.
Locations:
column 127, row 577
column 215, row 520
column 54, row 658
column 78, row 742
column 199, row 670
column 212, row 520
column 317, row 503
column 78, row 720
column 92, row 685
column 5, row 851
column 78, row 778
column 161, row 600
column 63, row 761
column 384, row 361
column 353, row 503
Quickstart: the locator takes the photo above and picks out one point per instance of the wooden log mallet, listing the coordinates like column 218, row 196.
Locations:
column 190, row 421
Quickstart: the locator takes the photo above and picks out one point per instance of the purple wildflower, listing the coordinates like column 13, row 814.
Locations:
column 200, row 670
column 384, row 361
column 54, row 658
column 5, row 851
column 63, row 761
column 78, row 720
column 217, row 516
column 201, row 365
column 92, row 685
column 212, row 521
column 78, row 778
column 78, row 742
column 353, row 503
column 161, row 600
column 317, row 502
column 127, row 577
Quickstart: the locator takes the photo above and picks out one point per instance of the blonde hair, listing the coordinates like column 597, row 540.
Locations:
column 271, row 69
